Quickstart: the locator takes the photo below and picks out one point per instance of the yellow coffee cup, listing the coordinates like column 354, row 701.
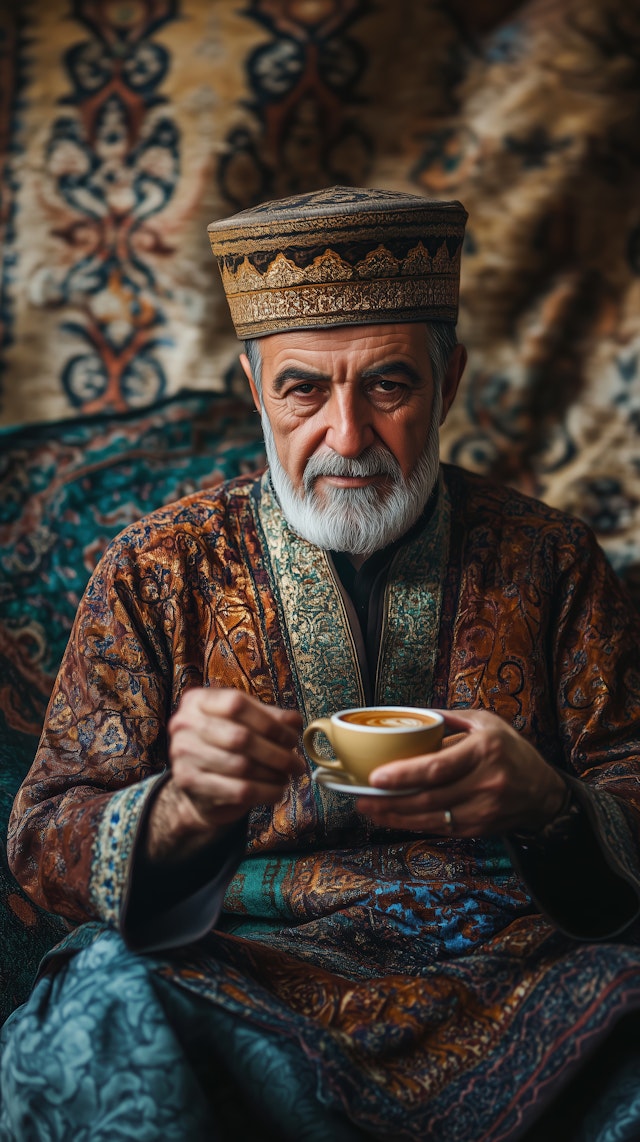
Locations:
column 368, row 736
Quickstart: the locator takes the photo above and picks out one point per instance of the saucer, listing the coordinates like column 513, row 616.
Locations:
column 330, row 780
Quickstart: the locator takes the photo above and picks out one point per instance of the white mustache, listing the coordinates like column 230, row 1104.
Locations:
column 374, row 461
column 356, row 520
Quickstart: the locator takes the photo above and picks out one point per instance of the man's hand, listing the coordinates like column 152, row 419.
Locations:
column 488, row 780
column 228, row 752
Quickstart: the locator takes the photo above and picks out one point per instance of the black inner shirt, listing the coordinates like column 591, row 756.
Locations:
column 365, row 587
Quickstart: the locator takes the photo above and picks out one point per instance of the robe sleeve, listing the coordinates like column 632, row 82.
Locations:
column 585, row 872
column 168, row 906
column 79, row 816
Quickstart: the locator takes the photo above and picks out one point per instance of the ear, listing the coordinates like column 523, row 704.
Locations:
column 451, row 379
column 244, row 361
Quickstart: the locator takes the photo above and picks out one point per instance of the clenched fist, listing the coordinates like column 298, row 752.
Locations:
column 228, row 752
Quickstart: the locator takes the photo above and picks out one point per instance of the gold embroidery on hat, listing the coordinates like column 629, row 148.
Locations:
column 351, row 302
column 340, row 256
column 379, row 263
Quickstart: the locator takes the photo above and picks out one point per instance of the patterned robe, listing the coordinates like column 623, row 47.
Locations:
column 435, row 988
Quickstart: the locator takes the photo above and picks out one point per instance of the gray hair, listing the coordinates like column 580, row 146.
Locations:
column 442, row 341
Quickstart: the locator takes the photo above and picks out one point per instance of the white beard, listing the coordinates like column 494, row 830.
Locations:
column 357, row 521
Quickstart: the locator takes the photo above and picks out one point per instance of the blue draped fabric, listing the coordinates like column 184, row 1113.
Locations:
column 107, row 1049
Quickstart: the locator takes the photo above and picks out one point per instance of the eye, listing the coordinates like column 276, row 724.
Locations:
column 386, row 391
column 304, row 398
column 387, row 386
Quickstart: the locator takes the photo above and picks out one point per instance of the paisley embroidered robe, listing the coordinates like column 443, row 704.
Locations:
column 417, row 974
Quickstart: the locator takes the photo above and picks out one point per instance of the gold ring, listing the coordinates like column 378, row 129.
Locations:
column 448, row 820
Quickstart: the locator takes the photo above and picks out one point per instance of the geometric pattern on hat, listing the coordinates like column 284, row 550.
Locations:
column 341, row 256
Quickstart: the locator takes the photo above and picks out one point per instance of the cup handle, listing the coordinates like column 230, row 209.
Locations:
column 323, row 726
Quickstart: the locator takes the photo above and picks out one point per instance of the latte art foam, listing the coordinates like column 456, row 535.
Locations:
column 389, row 720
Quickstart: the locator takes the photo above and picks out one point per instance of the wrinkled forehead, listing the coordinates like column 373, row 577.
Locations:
column 350, row 349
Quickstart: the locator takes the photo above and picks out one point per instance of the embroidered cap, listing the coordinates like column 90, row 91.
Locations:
column 342, row 256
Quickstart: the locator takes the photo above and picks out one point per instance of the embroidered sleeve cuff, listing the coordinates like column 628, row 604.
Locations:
column 162, row 907
column 114, row 843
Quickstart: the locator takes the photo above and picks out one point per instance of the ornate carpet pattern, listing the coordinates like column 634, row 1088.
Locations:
column 127, row 127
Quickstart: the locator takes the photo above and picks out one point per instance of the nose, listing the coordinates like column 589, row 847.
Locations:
column 349, row 429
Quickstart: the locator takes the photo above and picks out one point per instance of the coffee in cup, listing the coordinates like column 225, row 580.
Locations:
column 366, row 737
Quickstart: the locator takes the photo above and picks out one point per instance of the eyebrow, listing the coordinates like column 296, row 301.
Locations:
column 393, row 369
column 296, row 373
column 310, row 376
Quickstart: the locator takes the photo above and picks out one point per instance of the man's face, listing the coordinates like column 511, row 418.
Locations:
column 344, row 389
column 359, row 396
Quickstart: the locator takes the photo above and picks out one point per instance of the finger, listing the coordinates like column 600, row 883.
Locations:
column 461, row 720
column 453, row 737
column 238, row 740
column 220, row 798
column 392, row 817
column 458, row 822
column 189, row 752
column 283, row 726
column 467, row 809
column 420, row 804
column 431, row 771
column 264, row 761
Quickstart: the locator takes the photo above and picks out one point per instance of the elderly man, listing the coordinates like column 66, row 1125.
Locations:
column 258, row 954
